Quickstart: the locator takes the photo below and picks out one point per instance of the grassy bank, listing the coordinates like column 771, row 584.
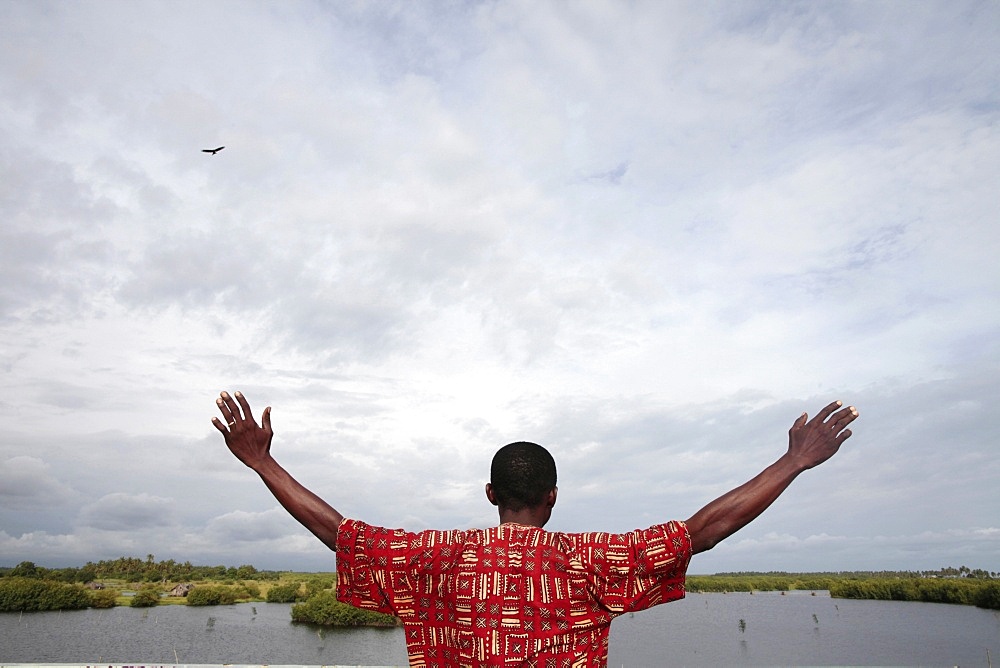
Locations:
column 983, row 592
column 30, row 588
column 759, row 582
column 313, row 596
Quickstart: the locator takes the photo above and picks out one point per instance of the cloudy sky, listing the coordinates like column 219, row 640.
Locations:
column 646, row 235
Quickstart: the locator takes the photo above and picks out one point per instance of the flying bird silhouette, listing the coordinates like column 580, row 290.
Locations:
column 213, row 151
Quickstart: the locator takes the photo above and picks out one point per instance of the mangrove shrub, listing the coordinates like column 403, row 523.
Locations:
column 103, row 598
column 317, row 584
column 324, row 608
column 146, row 597
column 31, row 595
column 211, row 595
column 960, row 591
column 284, row 593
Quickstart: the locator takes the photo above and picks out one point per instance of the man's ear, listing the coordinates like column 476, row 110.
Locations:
column 550, row 500
column 490, row 494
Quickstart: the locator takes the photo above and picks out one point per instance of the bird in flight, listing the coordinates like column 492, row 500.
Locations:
column 213, row 151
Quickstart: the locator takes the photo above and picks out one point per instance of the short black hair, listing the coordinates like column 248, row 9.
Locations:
column 522, row 474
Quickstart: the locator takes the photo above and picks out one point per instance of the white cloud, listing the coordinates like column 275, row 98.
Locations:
column 646, row 235
column 928, row 550
column 27, row 483
column 128, row 512
column 239, row 526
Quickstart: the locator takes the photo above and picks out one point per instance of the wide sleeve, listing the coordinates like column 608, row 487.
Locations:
column 382, row 569
column 637, row 570
column 369, row 569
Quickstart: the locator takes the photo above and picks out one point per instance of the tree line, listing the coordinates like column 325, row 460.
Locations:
column 134, row 569
column 983, row 593
column 28, row 587
column 946, row 572
column 962, row 586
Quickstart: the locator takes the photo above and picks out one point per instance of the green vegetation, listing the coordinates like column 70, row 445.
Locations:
column 103, row 598
column 284, row 593
column 318, row 583
column 965, row 591
column 961, row 586
column 146, row 597
column 757, row 582
column 324, row 608
column 250, row 590
column 319, row 605
column 31, row 595
column 27, row 587
column 213, row 595
column 133, row 569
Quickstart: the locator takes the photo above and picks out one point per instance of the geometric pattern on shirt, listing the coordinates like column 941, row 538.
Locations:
column 509, row 595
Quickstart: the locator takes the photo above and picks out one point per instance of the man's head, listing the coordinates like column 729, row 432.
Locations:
column 522, row 477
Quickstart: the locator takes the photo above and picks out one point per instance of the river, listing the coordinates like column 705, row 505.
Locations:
column 761, row 629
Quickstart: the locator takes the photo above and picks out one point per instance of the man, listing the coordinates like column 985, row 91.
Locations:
column 515, row 594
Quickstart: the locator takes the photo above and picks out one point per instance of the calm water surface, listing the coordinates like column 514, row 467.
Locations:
column 701, row 630
column 800, row 629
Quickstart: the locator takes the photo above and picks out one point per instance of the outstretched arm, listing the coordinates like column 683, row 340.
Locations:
column 809, row 444
column 252, row 445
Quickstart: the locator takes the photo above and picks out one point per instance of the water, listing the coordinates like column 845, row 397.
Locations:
column 801, row 629
column 701, row 630
column 247, row 633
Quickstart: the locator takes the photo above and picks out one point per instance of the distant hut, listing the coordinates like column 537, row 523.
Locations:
column 97, row 586
column 181, row 590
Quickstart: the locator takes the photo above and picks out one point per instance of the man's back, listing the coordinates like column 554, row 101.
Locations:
column 511, row 594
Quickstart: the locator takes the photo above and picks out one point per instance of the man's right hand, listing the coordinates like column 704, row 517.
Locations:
column 249, row 442
column 252, row 445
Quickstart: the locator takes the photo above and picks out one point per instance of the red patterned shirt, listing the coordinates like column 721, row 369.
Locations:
column 510, row 595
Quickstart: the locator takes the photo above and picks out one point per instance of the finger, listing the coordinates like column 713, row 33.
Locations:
column 842, row 418
column 847, row 416
column 266, row 419
column 221, row 427
column 247, row 415
column 800, row 421
column 826, row 412
column 234, row 410
column 843, row 436
column 227, row 414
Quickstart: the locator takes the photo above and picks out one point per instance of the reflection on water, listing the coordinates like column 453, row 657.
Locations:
column 766, row 629
column 701, row 630
column 258, row 633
